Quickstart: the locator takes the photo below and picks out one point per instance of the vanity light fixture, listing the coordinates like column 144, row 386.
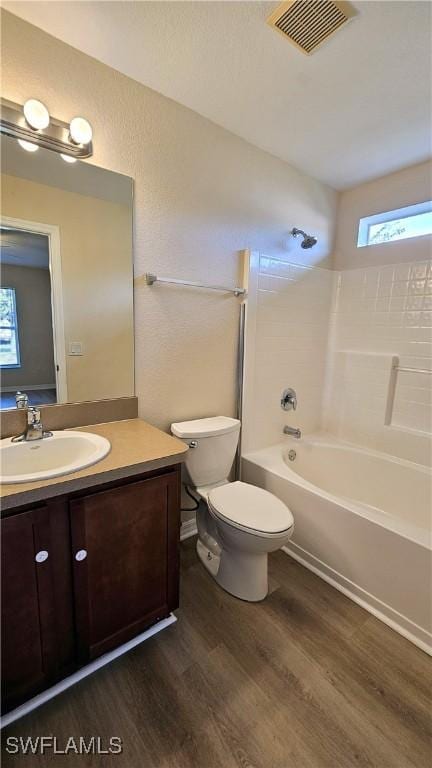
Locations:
column 32, row 124
column 80, row 131
column 28, row 146
column 36, row 114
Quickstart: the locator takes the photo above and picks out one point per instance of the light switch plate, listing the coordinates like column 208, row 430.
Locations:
column 75, row 348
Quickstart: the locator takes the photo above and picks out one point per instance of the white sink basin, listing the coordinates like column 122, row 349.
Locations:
column 61, row 454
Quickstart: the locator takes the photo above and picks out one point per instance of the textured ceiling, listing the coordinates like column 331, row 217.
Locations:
column 358, row 108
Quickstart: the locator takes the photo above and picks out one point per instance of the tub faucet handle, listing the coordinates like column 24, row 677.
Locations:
column 289, row 399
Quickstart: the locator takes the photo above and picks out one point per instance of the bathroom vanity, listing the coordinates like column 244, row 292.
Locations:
column 89, row 560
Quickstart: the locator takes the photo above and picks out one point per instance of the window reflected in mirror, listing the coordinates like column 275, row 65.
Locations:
column 9, row 345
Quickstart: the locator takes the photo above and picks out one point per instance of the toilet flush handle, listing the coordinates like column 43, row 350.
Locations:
column 193, row 444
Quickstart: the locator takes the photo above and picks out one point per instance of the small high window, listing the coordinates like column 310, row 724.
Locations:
column 9, row 346
column 411, row 221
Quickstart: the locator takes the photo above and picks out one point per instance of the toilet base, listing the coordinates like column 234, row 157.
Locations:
column 209, row 560
column 241, row 574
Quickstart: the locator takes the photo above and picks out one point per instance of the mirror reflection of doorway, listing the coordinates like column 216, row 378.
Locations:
column 27, row 359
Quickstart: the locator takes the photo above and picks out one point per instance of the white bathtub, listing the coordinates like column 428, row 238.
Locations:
column 362, row 521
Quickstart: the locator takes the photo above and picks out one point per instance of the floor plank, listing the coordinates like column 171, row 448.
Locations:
column 306, row 679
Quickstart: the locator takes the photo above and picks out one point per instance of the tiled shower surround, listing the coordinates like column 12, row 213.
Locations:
column 334, row 337
column 380, row 316
column 290, row 305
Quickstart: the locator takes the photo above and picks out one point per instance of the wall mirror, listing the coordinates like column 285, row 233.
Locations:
column 66, row 288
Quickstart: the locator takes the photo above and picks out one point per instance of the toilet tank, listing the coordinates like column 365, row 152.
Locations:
column 216, row 439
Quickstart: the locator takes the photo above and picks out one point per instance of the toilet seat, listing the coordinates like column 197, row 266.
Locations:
column 251, row 509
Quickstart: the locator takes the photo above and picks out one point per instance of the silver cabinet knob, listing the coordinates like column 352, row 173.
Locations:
column 41, row 556
column 81, row 555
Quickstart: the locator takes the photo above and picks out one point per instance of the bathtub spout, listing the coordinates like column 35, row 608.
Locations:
column 292, row 431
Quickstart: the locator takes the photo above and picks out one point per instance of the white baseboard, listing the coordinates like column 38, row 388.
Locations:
column 102, row 661
column 401, row 624
column 188, row 529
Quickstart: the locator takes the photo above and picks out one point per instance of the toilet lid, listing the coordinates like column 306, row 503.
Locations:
column 247, row 506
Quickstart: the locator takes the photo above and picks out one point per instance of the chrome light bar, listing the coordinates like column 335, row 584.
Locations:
column 56, row 136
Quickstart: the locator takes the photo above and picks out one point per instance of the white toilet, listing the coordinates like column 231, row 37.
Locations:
column 242, row 523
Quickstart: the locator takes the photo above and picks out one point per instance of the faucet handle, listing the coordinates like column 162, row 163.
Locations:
column 33, row 416
column 21, row 400
column 289, row 399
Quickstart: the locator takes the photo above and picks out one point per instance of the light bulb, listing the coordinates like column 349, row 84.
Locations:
column 81, row 131
column 36, row 114
column 27, row 145
column 68, row 158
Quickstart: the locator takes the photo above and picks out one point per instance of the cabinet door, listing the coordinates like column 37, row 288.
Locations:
column 27, row 611
column 125, row 560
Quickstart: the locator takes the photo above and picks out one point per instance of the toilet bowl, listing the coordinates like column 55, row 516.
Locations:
column 240, row 523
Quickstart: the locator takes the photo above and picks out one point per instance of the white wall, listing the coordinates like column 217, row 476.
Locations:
column 406, row 187
column 201, row 195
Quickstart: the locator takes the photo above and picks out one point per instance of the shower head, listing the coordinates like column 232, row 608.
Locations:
column 308, row 240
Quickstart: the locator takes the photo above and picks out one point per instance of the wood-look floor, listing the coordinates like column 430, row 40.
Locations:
column 306, row 679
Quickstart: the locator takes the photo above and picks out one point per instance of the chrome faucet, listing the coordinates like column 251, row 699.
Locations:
column 34, row 429
column 292, row 431
column 21, row 400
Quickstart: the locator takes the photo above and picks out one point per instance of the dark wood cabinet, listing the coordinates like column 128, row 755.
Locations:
column 28, row 621
column 124, row 562
column 83, row 574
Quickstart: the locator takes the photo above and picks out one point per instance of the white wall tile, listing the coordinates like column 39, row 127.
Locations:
column 399, row 323
column 293, row 305
column 332, row 336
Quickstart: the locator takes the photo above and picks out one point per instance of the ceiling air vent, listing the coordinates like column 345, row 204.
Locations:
column 309, row 23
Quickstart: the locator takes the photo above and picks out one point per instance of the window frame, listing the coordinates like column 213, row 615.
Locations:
column 408, row 211
column 7, row 366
